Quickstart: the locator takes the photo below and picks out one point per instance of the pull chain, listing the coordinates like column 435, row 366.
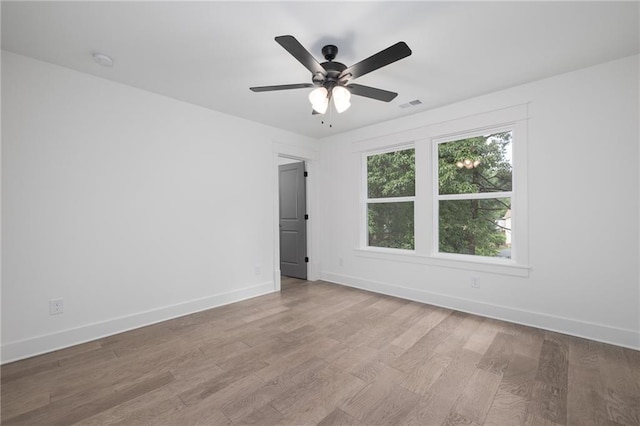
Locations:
column 330, row 117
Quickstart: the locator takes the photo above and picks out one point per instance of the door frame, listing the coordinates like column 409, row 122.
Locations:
column 292, row 174
column 310, row 157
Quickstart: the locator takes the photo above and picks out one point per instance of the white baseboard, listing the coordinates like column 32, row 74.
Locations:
column 13, row 351
column 598, row 332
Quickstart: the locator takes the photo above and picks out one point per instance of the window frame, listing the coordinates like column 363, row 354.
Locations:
column 451, row 127
column 364, row 240
column 437, row 197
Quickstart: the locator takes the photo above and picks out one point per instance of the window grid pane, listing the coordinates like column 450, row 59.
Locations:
column 391, row 174
column 477, row 164
column 475, row 227
column 391, row 225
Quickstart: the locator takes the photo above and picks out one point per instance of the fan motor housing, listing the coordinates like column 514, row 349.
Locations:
column 334, row 69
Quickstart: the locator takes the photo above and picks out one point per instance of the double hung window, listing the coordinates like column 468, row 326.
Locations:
column 454, row 194
column 474, row 195
column 390, row 199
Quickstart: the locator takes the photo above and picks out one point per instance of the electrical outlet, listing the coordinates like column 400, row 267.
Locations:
column 340, row 262
column 56, row 306
column 474, row 282
column 257, row 269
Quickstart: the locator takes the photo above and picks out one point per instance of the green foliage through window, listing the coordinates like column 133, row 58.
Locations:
column 471, row 223
column 474, row 196
column 392, row 174
column 391, row 223
column 485, row 160
column 473, row 226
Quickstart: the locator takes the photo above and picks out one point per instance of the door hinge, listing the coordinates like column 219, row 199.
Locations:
column 306, row 259
column 306, row 217
column 306, row 174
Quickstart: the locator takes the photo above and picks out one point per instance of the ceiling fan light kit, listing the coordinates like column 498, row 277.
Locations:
column 319, row 98
column 341, row 98
column 332, row 80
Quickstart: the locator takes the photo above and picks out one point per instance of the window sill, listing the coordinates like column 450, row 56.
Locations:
column 409, row 256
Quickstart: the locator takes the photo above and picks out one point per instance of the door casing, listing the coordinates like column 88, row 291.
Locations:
column 311, row 157
column 293, row 213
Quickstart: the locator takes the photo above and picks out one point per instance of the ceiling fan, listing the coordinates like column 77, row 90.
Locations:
column 333, row 79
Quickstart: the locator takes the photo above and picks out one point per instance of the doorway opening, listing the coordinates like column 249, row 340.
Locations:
column 292, row 200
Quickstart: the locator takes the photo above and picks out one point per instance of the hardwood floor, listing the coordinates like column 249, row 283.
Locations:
column 319, row 353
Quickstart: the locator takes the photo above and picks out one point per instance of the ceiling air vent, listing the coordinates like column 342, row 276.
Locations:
column 412, row 103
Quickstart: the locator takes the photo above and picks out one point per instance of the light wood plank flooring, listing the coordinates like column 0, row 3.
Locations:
column 319, row 353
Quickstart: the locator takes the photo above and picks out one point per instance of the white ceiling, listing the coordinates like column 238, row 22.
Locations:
column 210, row 53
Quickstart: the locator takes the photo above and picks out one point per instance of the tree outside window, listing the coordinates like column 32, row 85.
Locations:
column 390, row 199
column 474, row 195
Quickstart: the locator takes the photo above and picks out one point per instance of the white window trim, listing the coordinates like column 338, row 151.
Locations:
column 493, row 266
column 475, row 196
column 518, row 264
column 391, row 200
column 514, row 118
column 437, row 197
column 364, row 218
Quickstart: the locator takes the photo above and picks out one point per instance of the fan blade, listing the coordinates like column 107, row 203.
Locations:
column 371, row 92
column 385, row 57
column 280, row 87
column 294, row 47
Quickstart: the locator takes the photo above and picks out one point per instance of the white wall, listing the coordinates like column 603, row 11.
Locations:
column 131, row 206
column 583, row 149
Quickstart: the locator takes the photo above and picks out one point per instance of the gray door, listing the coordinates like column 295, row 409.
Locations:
column 293, row 227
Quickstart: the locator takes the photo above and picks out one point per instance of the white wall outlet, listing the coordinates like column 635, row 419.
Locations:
column 257, row 269
column 474, row 282
column 341, row 262
column 56, row 306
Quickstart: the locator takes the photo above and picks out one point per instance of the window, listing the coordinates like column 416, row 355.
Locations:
column 474, row 195
column 451, row 194
column 390, row 179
